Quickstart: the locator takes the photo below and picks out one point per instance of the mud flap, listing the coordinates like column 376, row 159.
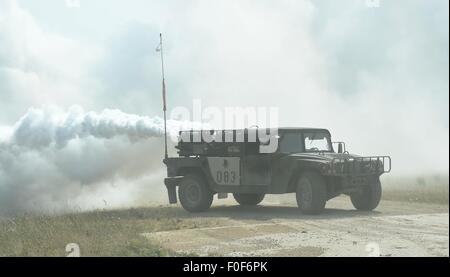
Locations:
column 171, row 184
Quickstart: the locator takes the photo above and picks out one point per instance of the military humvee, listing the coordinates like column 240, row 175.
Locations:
column 304, row 163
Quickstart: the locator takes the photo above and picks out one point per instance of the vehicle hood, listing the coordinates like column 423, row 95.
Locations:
column 321, row 157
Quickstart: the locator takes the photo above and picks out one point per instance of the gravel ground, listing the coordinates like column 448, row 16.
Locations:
column 276, row 228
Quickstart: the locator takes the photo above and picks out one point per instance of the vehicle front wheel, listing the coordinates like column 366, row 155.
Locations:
column 194, row 194
column 248, row 199
column 311, row 193
column 368, row 198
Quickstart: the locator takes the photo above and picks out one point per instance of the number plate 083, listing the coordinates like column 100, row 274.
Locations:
column 225, row 171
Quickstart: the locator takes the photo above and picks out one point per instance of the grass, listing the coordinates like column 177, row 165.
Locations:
column 99, row 233
column 423, row 189
column 118, row 232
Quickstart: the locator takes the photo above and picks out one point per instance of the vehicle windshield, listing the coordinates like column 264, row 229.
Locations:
column 297, row 142
column 317, row 142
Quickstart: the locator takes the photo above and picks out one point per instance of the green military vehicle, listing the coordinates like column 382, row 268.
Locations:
column 304, row 162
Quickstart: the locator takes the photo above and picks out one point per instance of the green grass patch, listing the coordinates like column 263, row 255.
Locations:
column 98, row 233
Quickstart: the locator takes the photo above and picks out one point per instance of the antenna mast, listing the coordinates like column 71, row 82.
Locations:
column 160, row 49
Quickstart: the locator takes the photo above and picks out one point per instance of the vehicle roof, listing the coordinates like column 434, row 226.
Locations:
column 279, row 129
column 302, row 129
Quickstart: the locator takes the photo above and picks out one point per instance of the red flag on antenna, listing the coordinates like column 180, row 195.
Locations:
column 164, row 95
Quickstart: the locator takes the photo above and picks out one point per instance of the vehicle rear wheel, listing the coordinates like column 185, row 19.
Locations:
column 311, row 193
column 368, row 198
column 249, row 199
column 194, row 194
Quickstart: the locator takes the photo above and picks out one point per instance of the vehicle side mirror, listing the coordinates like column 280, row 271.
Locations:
column 340, row 148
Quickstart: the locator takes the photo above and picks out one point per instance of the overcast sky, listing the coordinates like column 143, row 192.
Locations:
column 376, row 76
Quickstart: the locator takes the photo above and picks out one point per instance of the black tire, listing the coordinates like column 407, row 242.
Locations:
column 368, row 198
column 194, row 194
column 249, row 199
column 311, row 193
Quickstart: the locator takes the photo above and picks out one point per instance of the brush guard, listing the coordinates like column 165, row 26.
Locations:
column 360, row 166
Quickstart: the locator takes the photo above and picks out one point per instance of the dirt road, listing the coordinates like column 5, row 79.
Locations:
column 278, row 229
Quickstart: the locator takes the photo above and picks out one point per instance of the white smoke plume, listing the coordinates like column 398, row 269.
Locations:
column 52, row 160
column 43, row 128
column 376, row 77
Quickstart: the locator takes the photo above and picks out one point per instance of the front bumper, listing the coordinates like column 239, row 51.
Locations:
column 356, row 167
column 357, row 181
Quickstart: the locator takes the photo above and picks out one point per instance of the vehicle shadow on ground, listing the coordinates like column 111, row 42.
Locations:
column 274, row 212
column 235, row 212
